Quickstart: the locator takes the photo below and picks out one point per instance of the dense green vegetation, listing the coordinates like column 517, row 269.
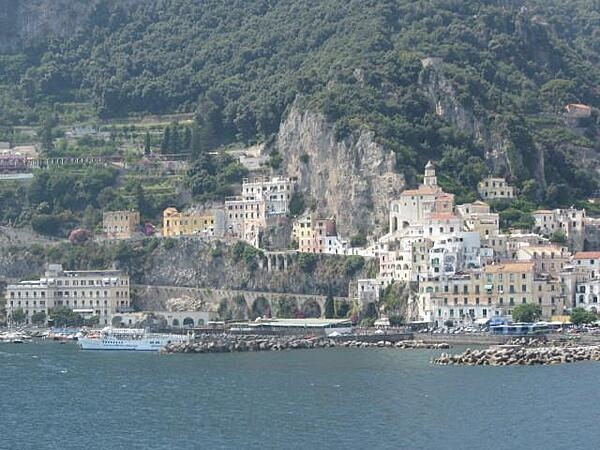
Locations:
column 509, row 65
column 528, row 312
column 581, row 316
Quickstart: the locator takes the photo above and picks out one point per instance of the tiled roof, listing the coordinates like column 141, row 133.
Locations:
column 423, row 190
column 443, row 216
column 587, row 255
column 513, row 266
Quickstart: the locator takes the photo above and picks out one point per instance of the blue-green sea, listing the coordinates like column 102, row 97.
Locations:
column 56, row 397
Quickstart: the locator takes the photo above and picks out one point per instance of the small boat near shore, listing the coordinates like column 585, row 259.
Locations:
column 132, row 339
column 16, row 337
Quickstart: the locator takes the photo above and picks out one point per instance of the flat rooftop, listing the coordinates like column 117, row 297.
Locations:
column 298, row 323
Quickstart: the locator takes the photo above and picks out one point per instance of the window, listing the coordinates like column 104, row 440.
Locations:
column 523, row 288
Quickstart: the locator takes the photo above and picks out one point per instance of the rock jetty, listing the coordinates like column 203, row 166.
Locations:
column 523, row 353
column 239, row 343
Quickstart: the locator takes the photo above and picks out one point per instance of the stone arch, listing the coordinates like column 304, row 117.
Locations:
column 286, row 307
column 260, row 307
column 405, row 224
column 188, row 322
column 594, row 310
column 200, row 323
column 175, row 322
column 311, row 308
column 116, row 321
column 239, row 308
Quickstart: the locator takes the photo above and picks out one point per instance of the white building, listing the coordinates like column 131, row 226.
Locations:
column 587, row 295
column 87, row 292
column 368, row 290
column 261, row 199
column 492, row 188
column 587, row 264
column 414, row 205
column 570, row 222
column 455, row 253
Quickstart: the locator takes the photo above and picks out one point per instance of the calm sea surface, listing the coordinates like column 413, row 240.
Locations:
column 56, row 397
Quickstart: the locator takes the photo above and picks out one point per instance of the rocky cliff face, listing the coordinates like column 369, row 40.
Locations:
column 352, row 179
column 193, row 263
column 443, row 97
column 208, row 265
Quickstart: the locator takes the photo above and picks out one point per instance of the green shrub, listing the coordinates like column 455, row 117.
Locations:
column 307, row 262
column 353, row 264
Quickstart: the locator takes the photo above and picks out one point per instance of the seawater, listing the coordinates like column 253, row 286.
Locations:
column 56, row 397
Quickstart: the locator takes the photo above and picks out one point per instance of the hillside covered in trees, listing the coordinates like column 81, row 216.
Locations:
column 506, row 68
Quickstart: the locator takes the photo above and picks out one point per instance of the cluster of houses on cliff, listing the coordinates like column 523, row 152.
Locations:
column 263, row 202
column 460, row 266
column 463, row 269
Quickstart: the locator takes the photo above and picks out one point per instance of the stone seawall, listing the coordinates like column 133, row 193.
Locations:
column 523, row 352
column 254, row 343
column 463, row 339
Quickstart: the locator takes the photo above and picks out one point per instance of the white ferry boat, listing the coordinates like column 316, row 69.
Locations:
column 129, row 339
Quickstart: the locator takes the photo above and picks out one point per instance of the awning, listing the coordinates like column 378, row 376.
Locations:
column 497, row 321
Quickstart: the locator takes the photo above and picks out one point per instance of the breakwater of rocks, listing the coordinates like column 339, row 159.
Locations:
column 237, row 343
column 523, row 353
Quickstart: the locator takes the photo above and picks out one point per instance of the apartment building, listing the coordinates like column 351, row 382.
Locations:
column 90, row 293
column 188, row 223
column 262, row 198
column 492, row 291
column 120, row 224
column 493, row 188
column 570, row 222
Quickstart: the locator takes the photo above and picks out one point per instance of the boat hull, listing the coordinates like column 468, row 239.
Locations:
column 146, row 344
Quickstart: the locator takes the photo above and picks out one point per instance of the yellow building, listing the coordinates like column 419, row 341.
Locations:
column 120, row 224
column 302, row 228
column 187, row 223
